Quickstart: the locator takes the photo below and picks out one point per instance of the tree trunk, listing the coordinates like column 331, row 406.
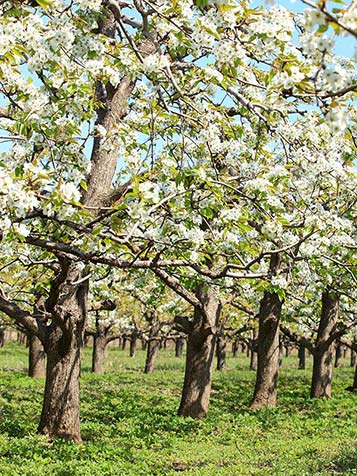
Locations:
column 281, row 352
column 302, row 356
column 221, row 352
column 235, row 345
column 265, row 393
column 133, row 343
column 123, row 343
column 98, row 355
column 144, row 344
column 352, row 358
column 253, row 359
column 199, row 356
column 60, row 411
column 354, row 386
column 2, row 337
column 153, row 348
column 338, row 355
column 37, row 361
column 323, row 352
column 179, row 343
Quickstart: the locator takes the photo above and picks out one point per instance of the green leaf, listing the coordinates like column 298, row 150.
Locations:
column 45, row 3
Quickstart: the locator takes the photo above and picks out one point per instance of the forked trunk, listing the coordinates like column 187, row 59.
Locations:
column 98, row 355
column 265, row 393
column 302, row 356
column 152, row 352
column 199, row 357
column 324, row 347
column 37, row 362
column 60, row 411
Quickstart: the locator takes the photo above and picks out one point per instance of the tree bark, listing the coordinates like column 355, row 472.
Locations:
column 265, row 393
column 179, row 343
column 61, row 404
column 354, row 386
column 37, row 361
column 152, row 352
column 144, row 344
column 2, row 337
column 199, row 356
column 323, row 351
column 98, row 355
column 123, row 343
column 338, row 355
column 302, row 356
column 235, row 345
column 352, row 358
column 281, row 353
column 221, row 352
column 133, row 343
column 253, row 359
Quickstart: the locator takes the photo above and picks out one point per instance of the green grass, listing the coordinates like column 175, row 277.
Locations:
column 130, row 427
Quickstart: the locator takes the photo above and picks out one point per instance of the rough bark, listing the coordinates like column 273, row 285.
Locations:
column 61, row 404
column 199, row 356
column 37, row 361
column 323, row 351
column 265, row 393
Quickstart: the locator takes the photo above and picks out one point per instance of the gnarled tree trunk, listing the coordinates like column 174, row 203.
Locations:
column 323, row 351
column 61, row 404
column 199, row 357
column 37, row 361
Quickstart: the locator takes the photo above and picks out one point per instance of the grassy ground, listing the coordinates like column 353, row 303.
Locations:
column 130, row 427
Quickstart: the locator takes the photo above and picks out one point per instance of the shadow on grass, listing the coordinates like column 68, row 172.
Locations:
column 345, row 463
